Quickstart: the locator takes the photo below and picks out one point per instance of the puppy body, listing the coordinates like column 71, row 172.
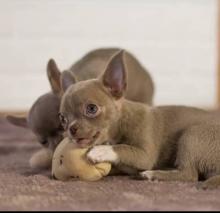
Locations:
column 153, row 133
column 142, row 137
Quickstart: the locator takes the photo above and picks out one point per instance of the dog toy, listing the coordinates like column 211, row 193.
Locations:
column 69, row 161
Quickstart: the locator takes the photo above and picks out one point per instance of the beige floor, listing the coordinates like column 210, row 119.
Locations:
column 23, row 189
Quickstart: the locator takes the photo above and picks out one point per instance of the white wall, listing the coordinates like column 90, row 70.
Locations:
column 174, row 39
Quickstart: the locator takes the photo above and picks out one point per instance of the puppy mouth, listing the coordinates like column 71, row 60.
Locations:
column 83, row 142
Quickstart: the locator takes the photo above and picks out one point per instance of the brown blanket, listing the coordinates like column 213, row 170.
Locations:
column 24, row 189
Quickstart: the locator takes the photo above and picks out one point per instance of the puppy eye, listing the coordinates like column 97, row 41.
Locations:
column 63, row 120
column 91, row 110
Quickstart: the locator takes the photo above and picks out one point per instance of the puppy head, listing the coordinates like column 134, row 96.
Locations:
column 90, row 108
column 43, row 120
column 43, row 117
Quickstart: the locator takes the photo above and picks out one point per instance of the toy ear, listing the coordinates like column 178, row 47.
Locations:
column 17, row 121
column 115, row 76
column 67, row 79
column 53, row 74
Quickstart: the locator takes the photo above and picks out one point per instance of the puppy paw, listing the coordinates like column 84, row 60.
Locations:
column 41, row 159
column 146, row 175
column 102, row 153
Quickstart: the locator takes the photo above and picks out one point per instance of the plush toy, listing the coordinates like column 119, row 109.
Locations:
column 69, row 161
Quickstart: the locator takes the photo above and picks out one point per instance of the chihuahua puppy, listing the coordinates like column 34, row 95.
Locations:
column 43, row 117
column 135, row 137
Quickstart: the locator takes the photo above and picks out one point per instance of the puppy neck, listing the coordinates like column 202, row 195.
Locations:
column 130, row 116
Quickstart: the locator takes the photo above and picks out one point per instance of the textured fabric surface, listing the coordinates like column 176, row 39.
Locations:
column 24, row 189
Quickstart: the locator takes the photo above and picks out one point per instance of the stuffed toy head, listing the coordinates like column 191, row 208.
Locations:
column 69, row 161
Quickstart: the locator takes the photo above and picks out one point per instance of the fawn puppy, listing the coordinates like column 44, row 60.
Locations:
column 137, row 138
column 43, row 117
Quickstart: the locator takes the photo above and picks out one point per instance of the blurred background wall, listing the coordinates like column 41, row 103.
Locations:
column 175, row 39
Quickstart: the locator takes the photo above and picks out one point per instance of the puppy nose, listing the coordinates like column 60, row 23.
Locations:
column 73, row 130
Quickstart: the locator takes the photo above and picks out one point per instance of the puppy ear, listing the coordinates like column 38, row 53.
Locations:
column 115, row 76
column 67, row 79
column 17, row 121
column 53, row 74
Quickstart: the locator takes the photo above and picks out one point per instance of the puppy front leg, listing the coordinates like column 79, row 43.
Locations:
column 124, row 154
column 41, row 159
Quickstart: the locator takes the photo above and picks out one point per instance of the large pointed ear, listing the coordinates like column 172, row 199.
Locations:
column 115, row 76
column 53, row 74
column 17, row 121
column 67, row 79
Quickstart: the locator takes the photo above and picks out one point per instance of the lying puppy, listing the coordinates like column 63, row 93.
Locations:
column 43, row 117
column 141, row 137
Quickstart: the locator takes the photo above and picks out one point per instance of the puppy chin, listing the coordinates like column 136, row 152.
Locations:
column 83, row 143
column 98, row 138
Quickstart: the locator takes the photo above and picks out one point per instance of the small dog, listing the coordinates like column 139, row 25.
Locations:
column 137, row 138
column 43, row 117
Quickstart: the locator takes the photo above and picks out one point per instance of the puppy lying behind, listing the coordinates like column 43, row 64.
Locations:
column 142, row 137
column 43, row 117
